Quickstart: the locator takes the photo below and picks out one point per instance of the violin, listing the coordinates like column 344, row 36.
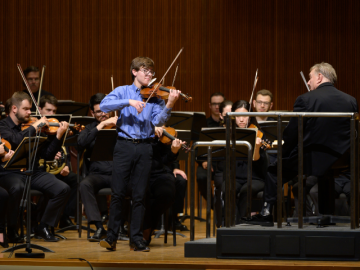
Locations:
column 169, row 134
column 265, row 144
column 7, row 145
column 53, row 126
column 161, row 92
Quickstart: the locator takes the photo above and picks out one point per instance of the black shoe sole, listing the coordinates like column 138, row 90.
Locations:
column 106, row 245
column 147, row 249
column 46, row 240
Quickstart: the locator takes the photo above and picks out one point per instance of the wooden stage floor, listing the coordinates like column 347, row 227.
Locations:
column 161, row 256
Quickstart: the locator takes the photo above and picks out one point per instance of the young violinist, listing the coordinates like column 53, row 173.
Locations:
column 263, row 102
column 13, row 181
column 323, row 144
column 133, row 151
column 258, row 165
column 224, row 108
column 99, row 172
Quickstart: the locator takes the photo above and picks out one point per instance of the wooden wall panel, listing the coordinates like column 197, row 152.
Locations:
column 82, row 43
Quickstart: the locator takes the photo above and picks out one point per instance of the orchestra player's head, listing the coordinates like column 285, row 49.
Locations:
column 224, row 107
column 32, row 75
column 321, row 73
column 263, row 101
column 20, row 108
column 94, row 103
column 48, row 105
column 142, row 70
column 215, row 100
column 243, row 121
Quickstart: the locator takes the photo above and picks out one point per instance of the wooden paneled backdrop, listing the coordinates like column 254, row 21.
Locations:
column 83, row 42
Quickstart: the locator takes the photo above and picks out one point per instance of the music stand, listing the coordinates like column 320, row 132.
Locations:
column 72, row 107
column 23, row 158
column 269, row 128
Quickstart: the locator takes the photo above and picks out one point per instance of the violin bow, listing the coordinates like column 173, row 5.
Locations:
column 175, row 75
column 41, row 82
column 165, row 74
column 303, row 77
column 112, row 87
column 28, row 88
column 252, row 93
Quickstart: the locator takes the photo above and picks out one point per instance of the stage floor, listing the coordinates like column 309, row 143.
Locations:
column 161, row 256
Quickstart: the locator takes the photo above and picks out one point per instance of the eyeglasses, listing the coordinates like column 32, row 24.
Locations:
column 99, row 112
column 147, row 71
column 262, row 102
column 215, row 104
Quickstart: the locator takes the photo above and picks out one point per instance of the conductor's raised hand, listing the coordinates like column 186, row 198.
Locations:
column 138, row 105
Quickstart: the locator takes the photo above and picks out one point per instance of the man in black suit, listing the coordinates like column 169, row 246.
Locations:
column 325, row 139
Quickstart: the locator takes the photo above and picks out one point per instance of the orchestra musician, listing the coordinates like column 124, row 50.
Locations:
column 162, row 183
column 224, row 108
column 325, row 139
column 99, row 172
column 263, row 102
column 133, row 151
column 13, row 181
column 258, row 165
column 47, row 107
column 32, row 75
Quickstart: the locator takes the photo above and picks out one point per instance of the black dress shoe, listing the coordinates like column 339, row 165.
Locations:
column 14, row 237
column 123, row 234
column 139, row 245
column 108, row 243
column 266, row 221
column 65, row 222
column 98, row 235
column 104, row 218
column 46, row 235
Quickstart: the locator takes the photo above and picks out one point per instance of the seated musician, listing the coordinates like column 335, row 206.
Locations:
column 258, row 164
column 48, row 106
column 32, row 75
column 13, row 181
column 100, row 172
column 162, row 185
column 4, row 196
column 323, row 144
column 263, row 103
column 224, row 108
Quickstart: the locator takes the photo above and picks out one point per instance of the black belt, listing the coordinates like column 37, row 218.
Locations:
column 148, row 140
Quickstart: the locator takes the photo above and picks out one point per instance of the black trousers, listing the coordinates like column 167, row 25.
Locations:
column 161, row 195
column 71, row 181
column 180, row 187
column 55, row 190
column 4, row 197
column 201, row 177
column 132, row 161
column 89, row 188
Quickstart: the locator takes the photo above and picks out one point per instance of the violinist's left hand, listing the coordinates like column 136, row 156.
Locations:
column 182, row 173
column 65, row 171
column 63, row 126
column 176, row 145
column 7, row 156
column 158, row 131
column 173, row 97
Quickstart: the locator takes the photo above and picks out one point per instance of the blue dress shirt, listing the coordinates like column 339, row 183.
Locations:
column 130, row 124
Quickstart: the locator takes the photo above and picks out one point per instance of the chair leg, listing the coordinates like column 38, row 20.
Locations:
column 165, row 219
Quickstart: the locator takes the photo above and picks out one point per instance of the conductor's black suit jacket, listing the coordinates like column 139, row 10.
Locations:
column 325, row 139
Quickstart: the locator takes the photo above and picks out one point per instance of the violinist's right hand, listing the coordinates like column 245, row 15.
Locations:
column 138, row 105
column 108, row 122
column 41, row 120
column 7, row 155
column 159, row 131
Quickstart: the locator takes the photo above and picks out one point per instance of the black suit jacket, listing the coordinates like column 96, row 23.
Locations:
column 325, row 139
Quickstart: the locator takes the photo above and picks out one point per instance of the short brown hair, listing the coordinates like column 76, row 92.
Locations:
column 264, row 92
column 140, row 62
column 8, row 105
column 48, row 99
column 326, row 70
column 30, row 69
column 18, row 97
